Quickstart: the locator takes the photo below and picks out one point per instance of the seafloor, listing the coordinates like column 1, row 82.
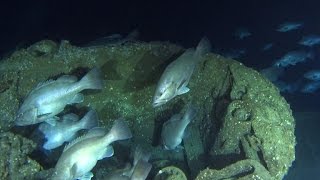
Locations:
column 244, row 128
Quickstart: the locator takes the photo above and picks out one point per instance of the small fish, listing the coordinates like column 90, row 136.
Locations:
column 139, row 169
column 313, row 75
column 234, row 53
column 287, row 87
column 311, row 87
column 242, row 33
column 176, row 76
column 66, row 130
column 173, row 130
column 289, row 26
column 267, row 47
column 272, row 73
column 50, row 98
column 114, row 39
column 80, row 156
column 293, row 57
column 310, row 40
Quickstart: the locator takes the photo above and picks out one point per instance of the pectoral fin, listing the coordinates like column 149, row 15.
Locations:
column 52, row 121
column 86, row 176
column 78, row 98
column 108, row 152
column 183, row 90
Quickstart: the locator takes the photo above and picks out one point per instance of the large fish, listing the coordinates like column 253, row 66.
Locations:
column 176, row 76
column 66, row 130
column 79, row 157
column 50, row 98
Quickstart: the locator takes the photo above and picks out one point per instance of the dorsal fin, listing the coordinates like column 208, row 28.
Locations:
column 67, row 79
column 42, row 84
column 94, row 132
column 70, row 118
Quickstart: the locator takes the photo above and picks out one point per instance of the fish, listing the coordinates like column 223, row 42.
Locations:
column 310, row 87
column 66, row 130
column 267, row 47
column 242, row 33
column 294, row 57
column 113, row 39
column 50, row 98
column 234, row 53
column 173, row 130
column 289, row 26
column 285, row 87
column 272, row 73
column 313, row 75
column 80, row 156
column 139, row 170
column 176, row 76
column 310, row 40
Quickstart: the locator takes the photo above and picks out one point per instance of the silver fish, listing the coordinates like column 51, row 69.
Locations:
column 141, row 170
column 272, row 73
column 311, row 87
column 289, row 26
column 66, row 130
column 79, row 157
column 313, row 75
column 310, row 40
column 173, row 130
column 242, row 33
column 294, row 57
column 50, row 98
column 138, row 171
column 177, row 74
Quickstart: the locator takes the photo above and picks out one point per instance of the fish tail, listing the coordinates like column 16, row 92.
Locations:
column 141, row 170
column 92, row 80
column 190, row 113
column 119, row 131
column 90, row 120
column 203, row 47
column 140, row 154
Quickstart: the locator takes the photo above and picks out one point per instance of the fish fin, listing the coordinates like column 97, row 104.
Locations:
column 190, row 112
column 67, row 79
column 183, row 90
column 133, row 35
column 179, row 148
column 92, row 80
column 78, row 98
column 140, row 154
column 52, row 120
column 109, row 151
column 42, row 84
column 141, row 170
column 94, row 132
column 203, row 47
column 86, row 176
column 120, row 130
column 44, row 128
column 49, row 145
column 90, row 120
column 69, row 118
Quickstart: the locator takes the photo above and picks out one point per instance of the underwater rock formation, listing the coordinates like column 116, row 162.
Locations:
column 242, row 118
column 14, row 160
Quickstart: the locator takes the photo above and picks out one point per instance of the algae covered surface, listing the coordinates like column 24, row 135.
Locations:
column 244, row 128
